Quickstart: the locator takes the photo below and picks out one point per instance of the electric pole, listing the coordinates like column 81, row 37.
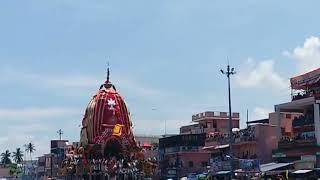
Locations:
column 228, row 73
column 247, row 118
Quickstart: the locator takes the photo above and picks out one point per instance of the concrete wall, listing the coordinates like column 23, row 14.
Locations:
column 266, row 136
column 286, row 121
column 196, row 157
column 4, row 172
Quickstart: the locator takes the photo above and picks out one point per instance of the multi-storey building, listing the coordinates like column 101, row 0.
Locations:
column 182, row 154
column 57, row 155
column 211, row 122
column 254, row 142
column 305, row 135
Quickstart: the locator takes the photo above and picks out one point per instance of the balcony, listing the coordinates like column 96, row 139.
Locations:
column 244, row 140
column 285, row 144
column 239, row 137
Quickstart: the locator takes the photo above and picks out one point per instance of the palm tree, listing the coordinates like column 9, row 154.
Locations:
column 30, row 149
column 5, row 157
column 17, row 156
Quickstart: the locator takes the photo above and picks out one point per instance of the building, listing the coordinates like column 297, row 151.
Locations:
column 211, row 122
column 255, row 142
column 286, row 119
column 182, row 154
column 305, row 136
column 57, row 155
column 149, row 144
column 45, row 166
column 41, row 169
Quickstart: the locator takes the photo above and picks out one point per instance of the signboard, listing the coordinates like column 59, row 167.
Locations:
column 279, row 155
column 249, row 164
column 300, row 82
column 171, row 173
column 308, row 158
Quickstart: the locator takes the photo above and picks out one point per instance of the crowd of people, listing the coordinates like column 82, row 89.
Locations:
column 247, row 134
column 303, row 120
column 306, row 93
column 77, row 165
column 307, row 123
column 299, row 137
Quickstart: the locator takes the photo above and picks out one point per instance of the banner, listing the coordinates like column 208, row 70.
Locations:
column 300, row 82
column 249, row 164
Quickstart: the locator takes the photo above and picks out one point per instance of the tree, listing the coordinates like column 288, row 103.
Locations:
column 5, row 157
column 14, row 170
column 30, row 149
column 17, row 156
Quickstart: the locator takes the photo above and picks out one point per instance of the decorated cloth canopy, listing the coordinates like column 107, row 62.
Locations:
column 107, row 120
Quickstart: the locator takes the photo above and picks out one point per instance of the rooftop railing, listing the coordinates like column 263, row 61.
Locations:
column 288, row 144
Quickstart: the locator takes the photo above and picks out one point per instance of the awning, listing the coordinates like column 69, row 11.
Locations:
column 222, row 146
column 305, row 80
column 215, row 147
column 273, row 166
column 222, row 172
column 302, row 171
column 147, row 145
column 208, row 147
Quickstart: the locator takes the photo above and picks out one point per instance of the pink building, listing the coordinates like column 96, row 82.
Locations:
column 211, row 122
column 255, row 142
column 286, row 119
column 305, row 128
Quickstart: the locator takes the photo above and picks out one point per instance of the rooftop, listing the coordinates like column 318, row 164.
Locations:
column 214, row 115
column 273, row 166
column 306, row 80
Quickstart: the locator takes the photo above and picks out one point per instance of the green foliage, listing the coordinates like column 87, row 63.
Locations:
column 17, row 156
column 5, row 157
column 15, row 170
column 30, row 148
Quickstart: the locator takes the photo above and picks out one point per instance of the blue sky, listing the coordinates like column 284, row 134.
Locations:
column 165, row 59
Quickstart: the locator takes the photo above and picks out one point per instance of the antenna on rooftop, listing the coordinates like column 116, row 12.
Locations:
column 60, row 132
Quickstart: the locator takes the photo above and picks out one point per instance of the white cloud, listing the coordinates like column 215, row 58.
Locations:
column 34, row 124
column 15, row 136
column 17, row 140
column 34, row 113
column 260, row 74
column 75, row 85
column 157, row 126
column 307, row 56
column 261, row 113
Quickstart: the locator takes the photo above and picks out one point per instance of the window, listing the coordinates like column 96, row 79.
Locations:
column 214, row 125
column 204, row 164
column 191, row 164
column 288, row 116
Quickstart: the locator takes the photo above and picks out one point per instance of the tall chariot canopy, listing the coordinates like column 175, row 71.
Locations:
column 107, row 120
